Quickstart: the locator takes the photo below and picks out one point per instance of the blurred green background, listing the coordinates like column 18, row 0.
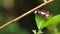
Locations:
column 10, row 9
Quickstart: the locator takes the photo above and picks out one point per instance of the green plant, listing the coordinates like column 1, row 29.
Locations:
column 50, row 23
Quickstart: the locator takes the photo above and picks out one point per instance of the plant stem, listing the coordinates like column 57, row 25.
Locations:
column 30, row 11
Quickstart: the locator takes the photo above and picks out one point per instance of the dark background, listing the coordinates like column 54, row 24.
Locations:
column 20, row 7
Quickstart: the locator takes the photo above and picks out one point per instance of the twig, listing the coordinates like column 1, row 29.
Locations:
column 30, row 11
column 46, row 0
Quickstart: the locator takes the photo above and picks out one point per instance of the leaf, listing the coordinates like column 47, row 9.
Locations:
column 39, row 21
column 53, row 21
column 34, row 31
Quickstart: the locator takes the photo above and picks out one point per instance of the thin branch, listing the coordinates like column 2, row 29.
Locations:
column 46, row 0
column 30, row 11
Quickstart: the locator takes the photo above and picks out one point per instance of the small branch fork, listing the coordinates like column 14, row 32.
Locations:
column 30, row 11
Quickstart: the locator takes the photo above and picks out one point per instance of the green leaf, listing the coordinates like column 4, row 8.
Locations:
column 53, row 21
column 39, row 21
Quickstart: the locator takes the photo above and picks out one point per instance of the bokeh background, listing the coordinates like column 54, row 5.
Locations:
column 10, row 9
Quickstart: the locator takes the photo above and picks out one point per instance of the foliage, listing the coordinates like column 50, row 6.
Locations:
column 50, row 23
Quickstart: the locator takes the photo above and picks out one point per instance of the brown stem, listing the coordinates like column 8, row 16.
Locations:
column 30, row 11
